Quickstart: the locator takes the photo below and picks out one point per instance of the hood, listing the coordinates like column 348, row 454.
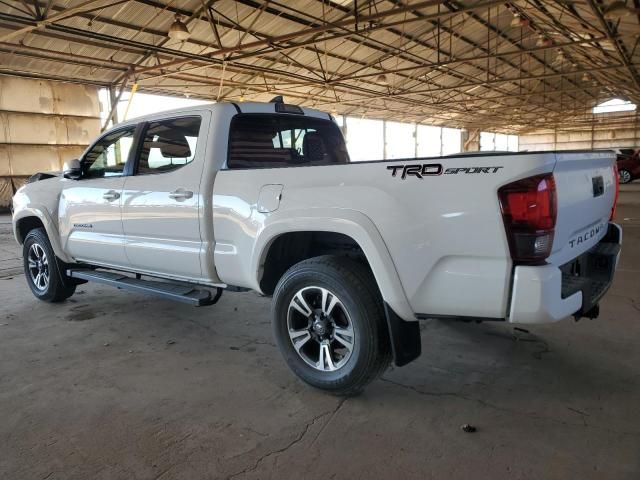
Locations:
column 36, row 177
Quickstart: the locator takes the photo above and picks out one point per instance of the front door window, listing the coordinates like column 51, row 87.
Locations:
column 109, row 155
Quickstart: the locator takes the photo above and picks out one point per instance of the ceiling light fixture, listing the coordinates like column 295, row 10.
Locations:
column 178, row 30
column 543, row 41
column 518, row 21
column 560, row 61
column 515, row 22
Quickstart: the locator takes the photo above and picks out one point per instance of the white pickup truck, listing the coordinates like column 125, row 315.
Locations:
column 251, row 196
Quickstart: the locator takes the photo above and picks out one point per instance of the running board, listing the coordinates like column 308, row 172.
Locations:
column 171, row 291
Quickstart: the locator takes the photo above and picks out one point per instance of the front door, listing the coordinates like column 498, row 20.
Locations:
column 90, row 208
column 160, row 202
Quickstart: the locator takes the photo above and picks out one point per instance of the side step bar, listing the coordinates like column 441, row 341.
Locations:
column 171, row 291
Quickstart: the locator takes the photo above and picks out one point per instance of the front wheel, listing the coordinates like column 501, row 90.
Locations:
column 329, row 324
column 41, row 268
column 625, row 176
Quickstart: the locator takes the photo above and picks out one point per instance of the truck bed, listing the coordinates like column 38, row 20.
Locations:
column 439, row 217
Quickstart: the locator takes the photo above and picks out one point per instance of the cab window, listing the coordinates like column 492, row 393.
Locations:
column 272, row 140
column 109, row 155
column 168, row 145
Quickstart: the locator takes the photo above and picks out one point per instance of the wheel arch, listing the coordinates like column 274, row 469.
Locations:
column 25, row 225
column 32, row 217
column 356, row 233
column 352, row 226
column 289, row 248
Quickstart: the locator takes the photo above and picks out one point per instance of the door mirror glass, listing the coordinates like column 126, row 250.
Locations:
column 72, row 169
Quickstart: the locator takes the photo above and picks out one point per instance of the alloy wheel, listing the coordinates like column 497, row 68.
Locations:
column 38, row 265
column 625, row 176
column 320, row 328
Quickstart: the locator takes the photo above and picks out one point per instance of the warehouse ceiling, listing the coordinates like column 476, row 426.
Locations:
column 510, row 67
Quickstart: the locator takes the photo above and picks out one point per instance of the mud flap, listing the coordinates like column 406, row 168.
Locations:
column 66, row 280
column 405, row 338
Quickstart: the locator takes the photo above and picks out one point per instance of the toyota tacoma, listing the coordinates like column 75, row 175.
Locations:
column 263, row 196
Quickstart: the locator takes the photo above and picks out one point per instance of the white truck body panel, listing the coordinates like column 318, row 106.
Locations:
column 436, row 245
column 161, row 216
column 84, row 203
column 450, row 253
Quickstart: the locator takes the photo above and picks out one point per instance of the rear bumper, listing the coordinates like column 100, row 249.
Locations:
column 545, row 294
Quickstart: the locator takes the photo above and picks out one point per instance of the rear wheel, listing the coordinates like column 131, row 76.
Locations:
column 41, row 268
column 329, row 323
column 625, row 176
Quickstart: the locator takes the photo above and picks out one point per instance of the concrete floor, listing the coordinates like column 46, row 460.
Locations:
column 112, row 385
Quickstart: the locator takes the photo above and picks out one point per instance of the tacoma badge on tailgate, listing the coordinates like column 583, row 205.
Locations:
column 586, row 235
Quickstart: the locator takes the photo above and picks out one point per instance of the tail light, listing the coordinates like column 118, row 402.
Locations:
column 616, row 182
column 529, row 210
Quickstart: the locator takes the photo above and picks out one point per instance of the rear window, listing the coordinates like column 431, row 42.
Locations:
column 270, row 141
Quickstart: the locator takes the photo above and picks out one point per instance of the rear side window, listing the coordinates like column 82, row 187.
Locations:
column 168, row 145
column 269, row 141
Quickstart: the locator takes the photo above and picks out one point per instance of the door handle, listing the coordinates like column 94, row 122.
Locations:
column 111, row 195
column 181, row 194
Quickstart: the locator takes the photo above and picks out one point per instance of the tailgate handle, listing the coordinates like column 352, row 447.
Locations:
column 598, row 186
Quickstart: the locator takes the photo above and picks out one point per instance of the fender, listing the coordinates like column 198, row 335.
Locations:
column 351, row 223
column 39, row 211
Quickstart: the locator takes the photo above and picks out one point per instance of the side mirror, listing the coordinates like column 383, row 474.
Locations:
column 72, row 169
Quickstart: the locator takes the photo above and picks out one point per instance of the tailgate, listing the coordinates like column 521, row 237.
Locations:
column 586, row 189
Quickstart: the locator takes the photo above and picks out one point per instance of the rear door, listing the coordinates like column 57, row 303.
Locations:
column 89, row 214
column 586, row 189
column 161, row 200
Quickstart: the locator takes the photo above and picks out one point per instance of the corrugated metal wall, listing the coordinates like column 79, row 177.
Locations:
column 610, row 130
column 42, row 124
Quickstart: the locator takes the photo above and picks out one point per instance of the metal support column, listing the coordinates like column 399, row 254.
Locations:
column 384, row 139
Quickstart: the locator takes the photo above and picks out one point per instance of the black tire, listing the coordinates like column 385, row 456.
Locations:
column 625, row 176
column 38, row 258
column 358, row 302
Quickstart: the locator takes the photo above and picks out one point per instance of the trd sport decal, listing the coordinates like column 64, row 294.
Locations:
column 455, row 171
column 419, row 171
column 434, row 169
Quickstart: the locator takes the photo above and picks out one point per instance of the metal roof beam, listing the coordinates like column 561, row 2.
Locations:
column 66, row 13
column 324, row 28
column 611, row 34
